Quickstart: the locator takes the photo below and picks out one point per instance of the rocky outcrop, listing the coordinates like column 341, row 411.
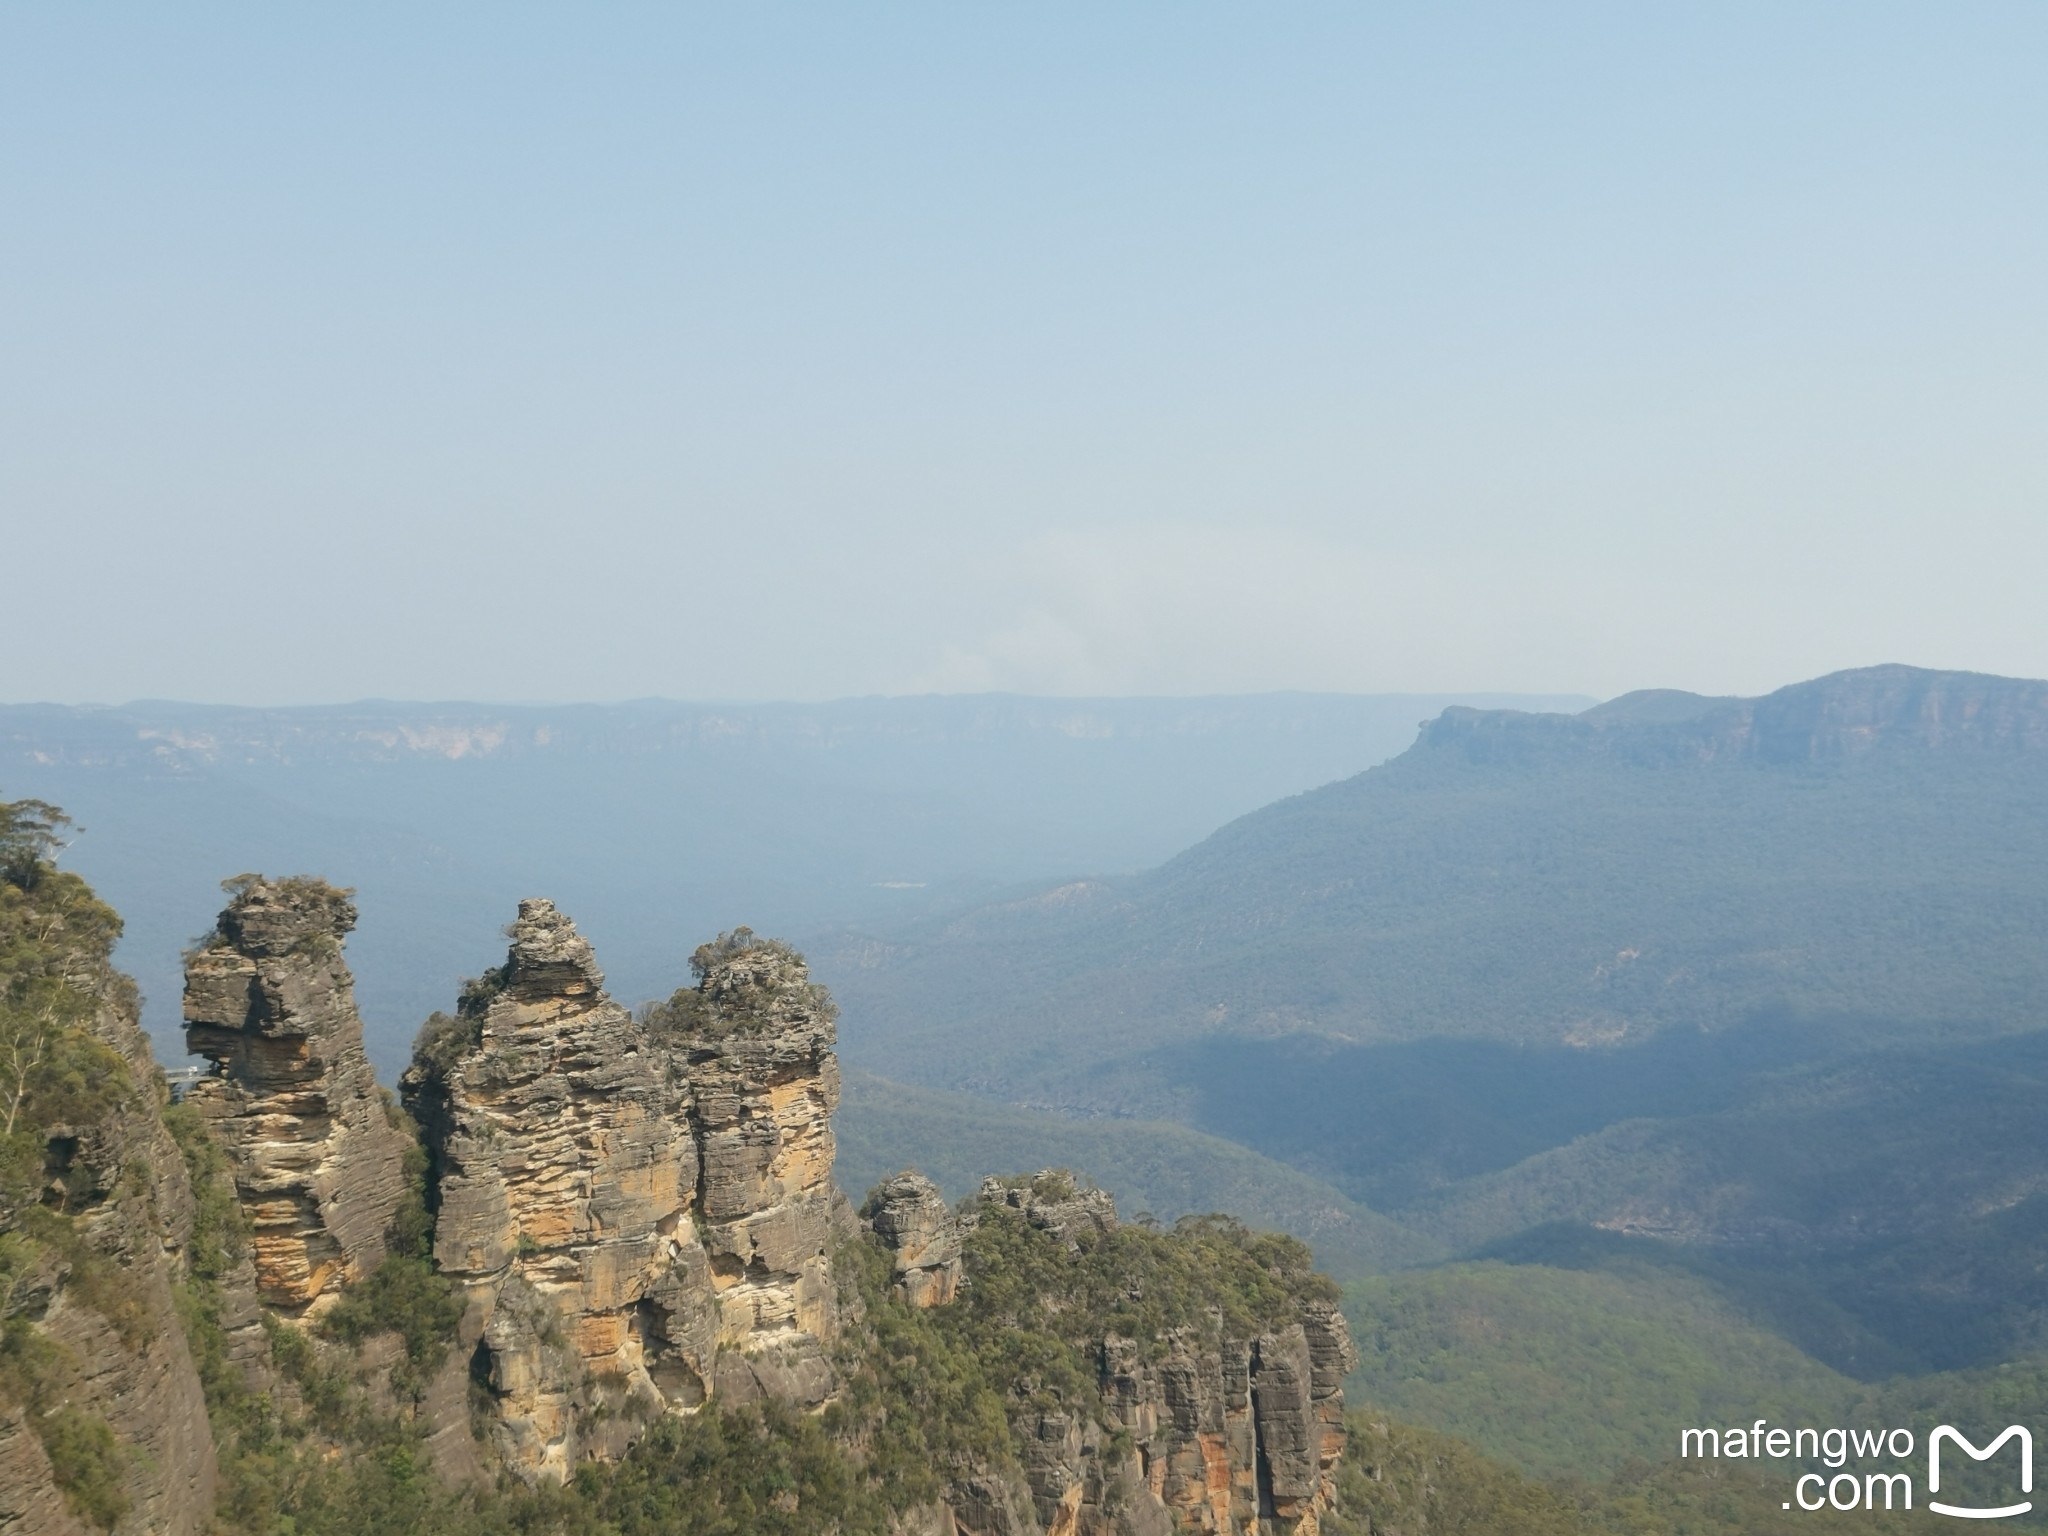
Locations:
column 317, row 1161
column 638, row 1216
column 1229, row 1439
column 912, row 1219
column 1205, row 1429
column 639, row 1209
column 1887, row 711
column 1054, row 1201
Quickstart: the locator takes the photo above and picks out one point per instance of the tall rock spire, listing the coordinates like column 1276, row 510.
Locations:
column 565, row 1173
column 317, row 1162
column 753, row 1041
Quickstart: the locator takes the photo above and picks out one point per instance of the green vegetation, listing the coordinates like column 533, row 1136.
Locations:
column 58, row 1083
column 448, row 1037
column 1397, row 1478
column 1586, row 1377
column 86, row 1463
column 1575, row 1373
column 739, row 1002
column 1400, row 1480
column 405, row 1294
column 31, row 835
column 1149, row 1165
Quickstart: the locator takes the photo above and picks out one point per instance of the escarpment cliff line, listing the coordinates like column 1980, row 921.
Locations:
column 317, row 1161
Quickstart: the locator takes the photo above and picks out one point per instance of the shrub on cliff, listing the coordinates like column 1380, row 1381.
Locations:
column 745, row 985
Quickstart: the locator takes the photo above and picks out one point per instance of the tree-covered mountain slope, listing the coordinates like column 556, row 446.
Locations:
column 1865, row 848
column 1149, row 1165
column 1759, row 981
column 1576, row 1372
column 1581, row 1364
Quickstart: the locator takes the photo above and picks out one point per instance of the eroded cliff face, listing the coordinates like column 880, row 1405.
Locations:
column 1227, row 1432
column 640, row 1219
column 1242, row 1438
column 95, row 1217
column 752, row 1044
column 922, row 1235
column 564, row 1175
column 317, row 1161
column 638, row 1209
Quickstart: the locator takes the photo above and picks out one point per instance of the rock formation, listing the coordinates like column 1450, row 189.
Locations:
column 911, row 1217
column 1232, row 1439
column 638, row 1216
column 753, row 1044
column 564, row 1177
column 639, row 1210
column 1230, row 1433
column 319, row 1164
column 1054, row 1201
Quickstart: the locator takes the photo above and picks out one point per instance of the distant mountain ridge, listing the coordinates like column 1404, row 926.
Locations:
column 1756, row 986
column 1842, row 715
column 171, row 734
column 657, row 819
column 1868, row 844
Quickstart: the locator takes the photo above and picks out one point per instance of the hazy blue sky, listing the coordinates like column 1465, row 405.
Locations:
column 779, row 350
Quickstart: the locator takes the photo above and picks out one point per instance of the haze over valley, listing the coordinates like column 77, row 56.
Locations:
column 921, row 770
column 1614, row 994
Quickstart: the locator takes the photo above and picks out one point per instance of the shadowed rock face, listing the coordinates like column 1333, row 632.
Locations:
column 136, row 1376
column 910, row 1215
column 1245, row 1437
column 319, row 1166
column 1241, row 1438
column 640, row 1211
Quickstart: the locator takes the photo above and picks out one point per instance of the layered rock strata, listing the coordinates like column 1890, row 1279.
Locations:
column 564, row 1177
column 1227, row 1435
column 638, row 1209
column 753, row 1045
column 317, row 1161
column 911, row 1217
column 1234, row 1439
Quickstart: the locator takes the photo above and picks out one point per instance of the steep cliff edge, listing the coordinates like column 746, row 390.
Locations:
column 102, row 1421
column 752, row 1042
column 912, row 1220
column 237, row 1314
column 1152, row 1381
column 318, row 1163
column 1887, row 711
column 641, row 1215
